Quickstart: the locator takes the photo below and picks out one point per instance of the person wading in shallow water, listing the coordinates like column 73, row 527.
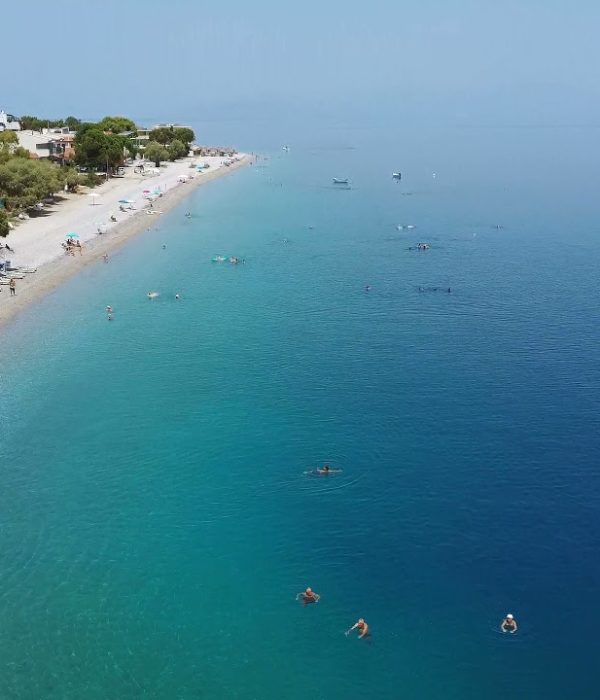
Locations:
column 12, row 286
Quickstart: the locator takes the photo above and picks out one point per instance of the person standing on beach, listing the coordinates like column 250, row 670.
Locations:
column 13, row 286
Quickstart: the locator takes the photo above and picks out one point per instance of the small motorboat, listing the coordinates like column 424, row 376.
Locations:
column 340, row 181
column 397, row 176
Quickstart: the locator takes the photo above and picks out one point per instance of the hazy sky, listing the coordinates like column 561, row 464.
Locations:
column 471, row 61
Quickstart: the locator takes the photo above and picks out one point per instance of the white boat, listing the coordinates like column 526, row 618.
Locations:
column 397, row 176
column 340, row 181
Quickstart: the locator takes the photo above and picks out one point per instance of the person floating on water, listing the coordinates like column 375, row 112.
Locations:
column 177, row 296
column 509, row 624
column 152, row 295
column 325, row 470
column 308, row 596
column 109, row 309
column 367, row 288
column 362, row 628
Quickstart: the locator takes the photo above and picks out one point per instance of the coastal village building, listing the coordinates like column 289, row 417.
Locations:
column 8, row 122
column 140, row 137
column 54, row 144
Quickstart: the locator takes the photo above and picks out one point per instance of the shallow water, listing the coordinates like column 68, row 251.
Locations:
column 157, row 523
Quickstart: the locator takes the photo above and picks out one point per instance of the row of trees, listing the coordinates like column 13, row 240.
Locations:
column 167, row 134
column 24, row 182
column 36, row 124
column 168, row 143
column 156, row 152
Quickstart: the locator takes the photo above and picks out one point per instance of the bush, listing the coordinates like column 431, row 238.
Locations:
column 92, row 179
column 4, row 227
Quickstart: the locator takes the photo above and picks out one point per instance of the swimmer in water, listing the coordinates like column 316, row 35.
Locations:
column 509, row 624
column 109, row 317
column 109, row 309
column 177, row 296
column 308, row 596
column 362, row 628
column 164, row 246
column 367, row 288
column 325, row 470
column 152, row 295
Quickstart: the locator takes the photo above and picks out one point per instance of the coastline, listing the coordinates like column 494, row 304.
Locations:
column 54, row 272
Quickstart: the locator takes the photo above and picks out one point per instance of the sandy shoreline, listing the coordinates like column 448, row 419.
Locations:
column 52, row 273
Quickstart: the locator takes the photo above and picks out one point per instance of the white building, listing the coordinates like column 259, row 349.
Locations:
column 8, row 122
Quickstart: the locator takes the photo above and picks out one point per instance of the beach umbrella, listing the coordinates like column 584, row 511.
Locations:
column 94, row 196
column 72, row 235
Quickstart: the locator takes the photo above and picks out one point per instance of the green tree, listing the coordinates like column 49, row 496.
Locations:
column 177, row 149
column 25, row 182
column 94, row 148
column 8, row 138
column 156, row 152
column 163, row 135
column 8, row 143
column 72, row 123
column 71, row 178
column 4, row 227
column 131, row 150
column 117, row 125
column 184, row 135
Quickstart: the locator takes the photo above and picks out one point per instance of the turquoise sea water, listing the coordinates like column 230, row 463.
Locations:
column 156, row 522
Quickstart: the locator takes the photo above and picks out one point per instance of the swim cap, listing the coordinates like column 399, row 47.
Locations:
column 361, row 621
column 309, row 590
column 509, row 617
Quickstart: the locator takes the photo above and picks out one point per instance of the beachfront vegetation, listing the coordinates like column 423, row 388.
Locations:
column 94, row 148
column 167, row 134
column 36, row 124
column 177, row 149
column 4, row 226
column 23, row 182
column 8, row 144
column 117, row 125
column 156, row 152
column 8, row 138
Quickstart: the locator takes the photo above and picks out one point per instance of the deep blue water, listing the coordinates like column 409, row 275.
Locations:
column 156, row 521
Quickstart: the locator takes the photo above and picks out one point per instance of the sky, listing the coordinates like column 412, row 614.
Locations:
column 457, row 61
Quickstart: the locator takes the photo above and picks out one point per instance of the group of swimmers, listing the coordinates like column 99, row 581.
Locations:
column 308, row 596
